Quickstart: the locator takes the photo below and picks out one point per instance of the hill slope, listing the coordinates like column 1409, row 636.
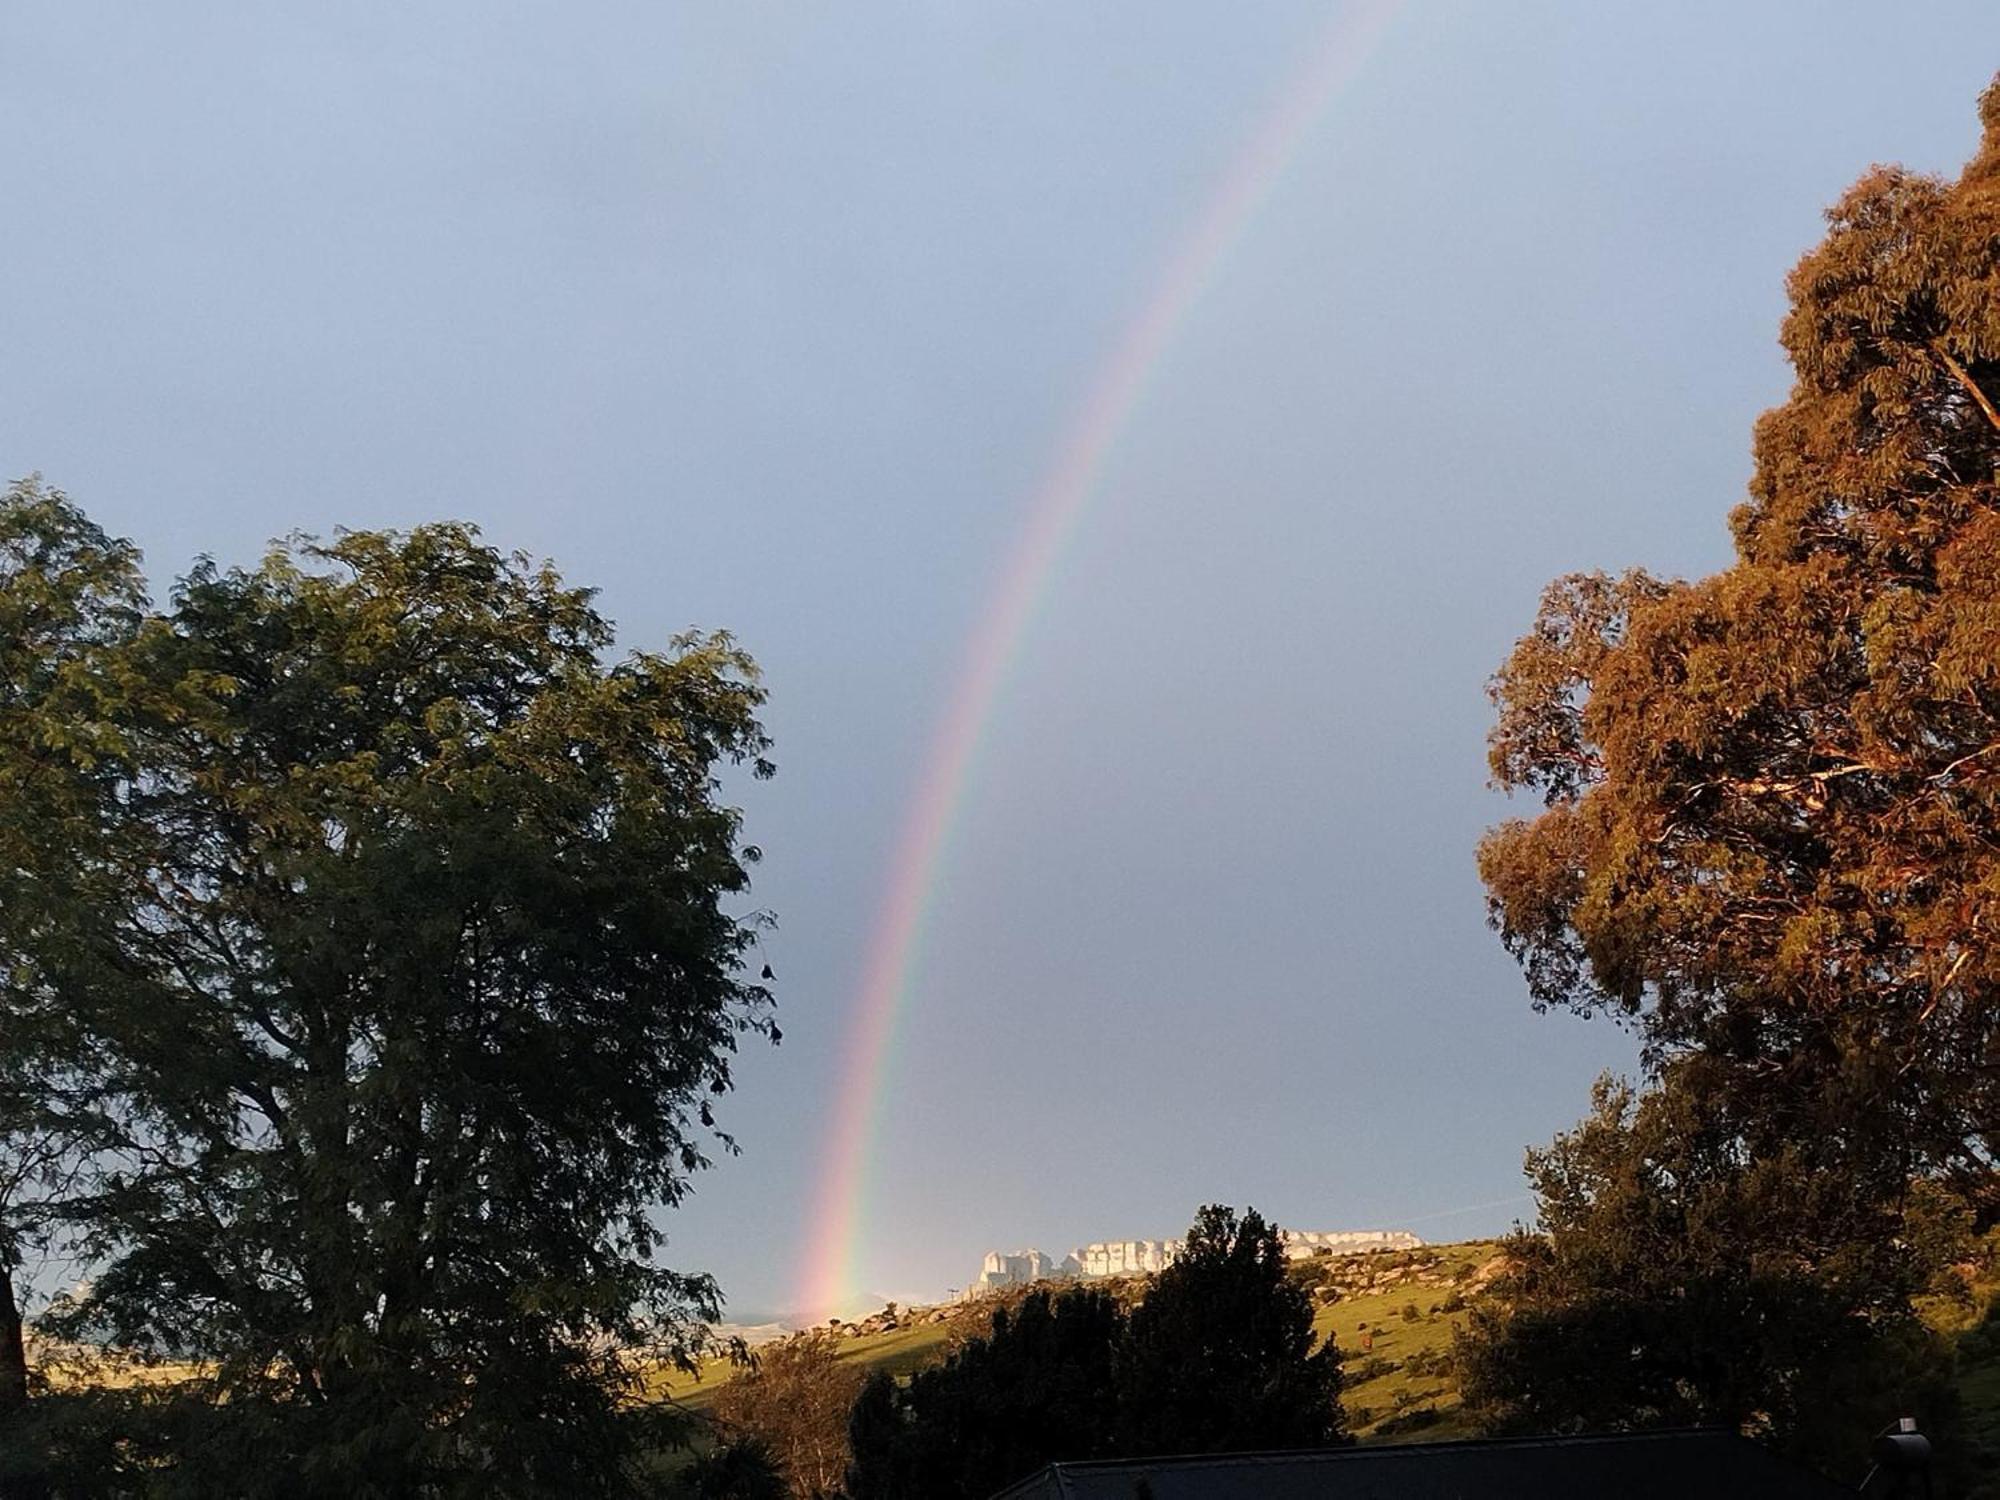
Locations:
column 1392, row 1314
column 1399, row 1382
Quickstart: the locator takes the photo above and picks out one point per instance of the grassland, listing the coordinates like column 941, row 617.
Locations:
column 899, row 1351
column 1402, row 1385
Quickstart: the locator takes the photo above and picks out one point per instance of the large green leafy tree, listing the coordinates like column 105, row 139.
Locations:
column 1773, row 795
column 1681, row 1279
column 1220, row 1356
column 421, row 972
column 69, row 596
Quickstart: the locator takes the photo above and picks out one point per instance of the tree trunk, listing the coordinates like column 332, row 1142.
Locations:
column 13, row 1350
column 16, row 1482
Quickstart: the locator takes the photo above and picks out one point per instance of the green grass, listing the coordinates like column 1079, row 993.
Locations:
column 1399, row 1403
column 899, row 1351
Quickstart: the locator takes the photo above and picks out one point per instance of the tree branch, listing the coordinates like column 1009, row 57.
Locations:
column 1960, row 374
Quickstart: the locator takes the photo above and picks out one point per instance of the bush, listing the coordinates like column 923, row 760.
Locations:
column 1414, row 1420
column 1429, row 1362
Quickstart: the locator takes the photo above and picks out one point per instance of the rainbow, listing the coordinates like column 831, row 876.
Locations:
column 833, row 1236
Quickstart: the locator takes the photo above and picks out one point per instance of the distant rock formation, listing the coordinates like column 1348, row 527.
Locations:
column 999, row 1270
column 1143, row 1257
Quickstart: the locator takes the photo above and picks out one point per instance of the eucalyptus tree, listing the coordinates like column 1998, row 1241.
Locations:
column 1772, row 796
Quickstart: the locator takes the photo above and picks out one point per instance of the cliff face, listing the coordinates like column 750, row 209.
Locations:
column 1143, row 1257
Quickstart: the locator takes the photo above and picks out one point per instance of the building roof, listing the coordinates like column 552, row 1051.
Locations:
column 1629, row 1466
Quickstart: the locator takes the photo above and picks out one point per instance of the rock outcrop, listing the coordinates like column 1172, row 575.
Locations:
column 1144, row 1257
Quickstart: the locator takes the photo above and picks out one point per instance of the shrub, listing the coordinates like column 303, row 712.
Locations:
column 1429, row 1362
column 1413, row 1420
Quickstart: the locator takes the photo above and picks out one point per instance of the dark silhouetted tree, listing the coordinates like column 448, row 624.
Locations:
column 880, row 1442
column 743, row 1468
column 1679, row 1279
column 1220, row 1355
column 1040, row 1388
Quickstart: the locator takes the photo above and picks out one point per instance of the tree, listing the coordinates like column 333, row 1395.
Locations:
column 1219, row 1356
column 741, row 1469
column 412, row 975
column 1679, row 1279
column 880, row 1442
column 793, row 1404
column 1770, row 795
column 1038, row 1389
column 69, row 595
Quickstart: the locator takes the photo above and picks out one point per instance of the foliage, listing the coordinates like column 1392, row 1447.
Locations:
column 744, row 1468
column 793, row 1402
column 1681, row 1280
column 399, row 956
column 1979, row 1383
column 69, row 597
column 1429, row 1362
column 1413, row 1372
column 1040, row 1387
column 1351, row 1290
column 1772, row 794
column 1219, row 1356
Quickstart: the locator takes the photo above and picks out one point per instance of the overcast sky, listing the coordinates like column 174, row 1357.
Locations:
column 770, row 317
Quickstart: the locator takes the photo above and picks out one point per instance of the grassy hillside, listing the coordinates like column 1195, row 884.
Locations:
column 1400, row 1383
column 1393, row 1316
column 914, row 1342
column 1400, row 1388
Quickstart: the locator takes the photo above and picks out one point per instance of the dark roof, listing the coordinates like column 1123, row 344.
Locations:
column 1615, row 1466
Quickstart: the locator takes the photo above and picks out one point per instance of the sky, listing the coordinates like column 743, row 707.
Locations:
column 773, row 317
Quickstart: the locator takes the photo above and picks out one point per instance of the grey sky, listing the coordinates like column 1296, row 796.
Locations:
column 769, row 316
